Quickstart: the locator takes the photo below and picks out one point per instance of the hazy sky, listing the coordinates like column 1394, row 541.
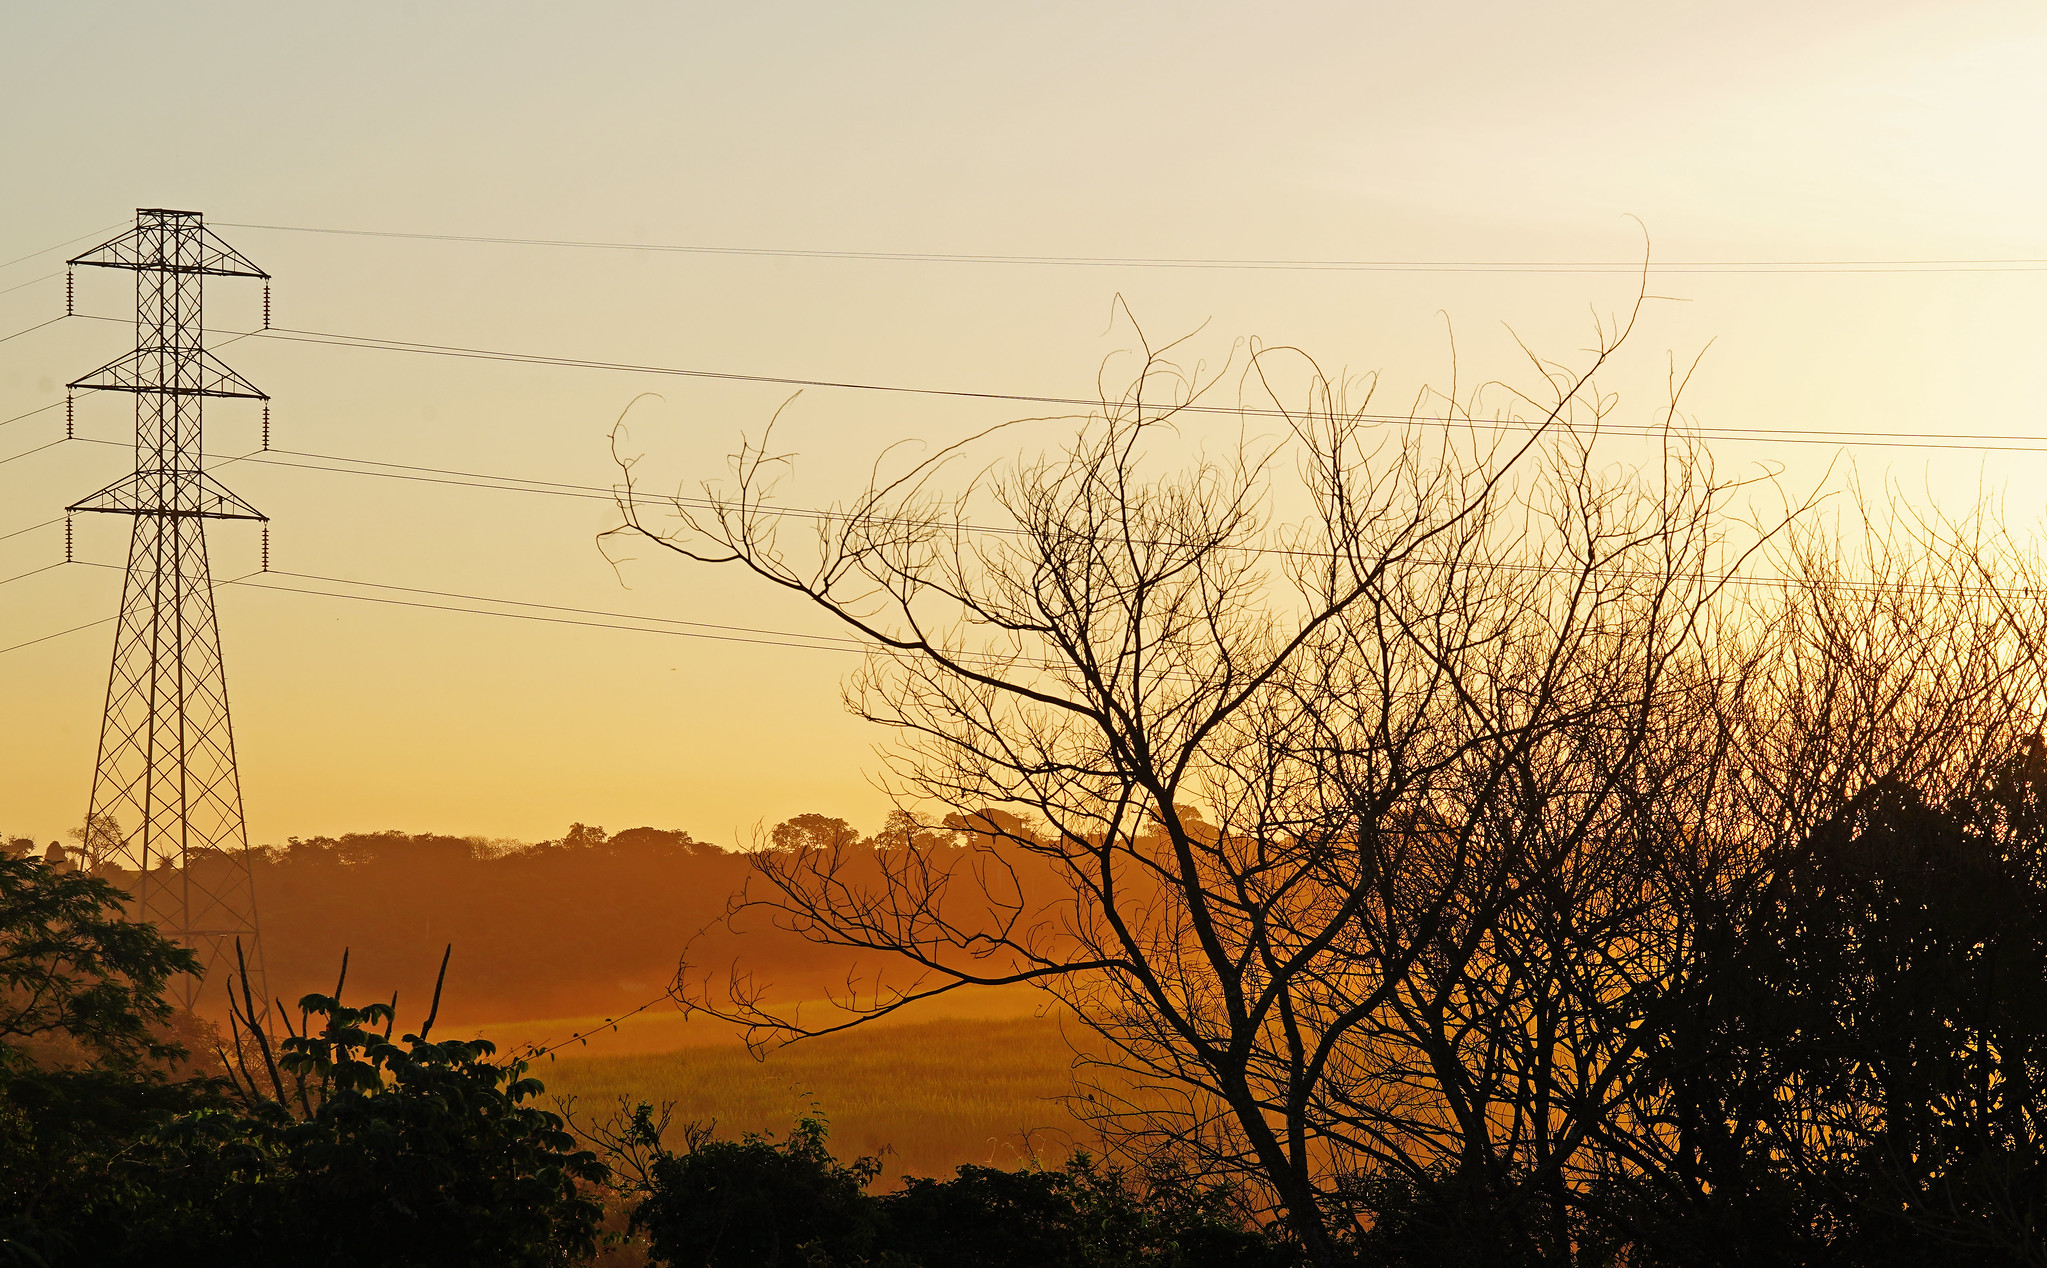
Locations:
column 1476, row 132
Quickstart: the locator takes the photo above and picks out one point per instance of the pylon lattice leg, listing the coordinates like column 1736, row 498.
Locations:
column 166, row 800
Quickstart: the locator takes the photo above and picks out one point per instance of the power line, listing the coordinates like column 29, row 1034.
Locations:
column 455, row 479
column 30, row 282
column 1901, row 440
column 38, row 449
column 1787, row 435
column 704, row 629
column 555, row 607
column 698, row 629
column 40, row 409
column 23, row 576
column 105, row 620
column 713, row 631
column 583, row 363
column 500, row 483
column 1165, row 262
column 335, row 339
column 61, row 245
column 752, row 635
column 729, row 633
column 1729, row 579
column 31, row 329
column 1906, row 440
column 516, row 484
column 31, row 528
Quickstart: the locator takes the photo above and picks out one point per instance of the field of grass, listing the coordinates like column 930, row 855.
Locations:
column 932, row 1094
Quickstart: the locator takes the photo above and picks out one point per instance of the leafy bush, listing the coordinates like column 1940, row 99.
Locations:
column 762, row 1203
column 759, row 1201
column 78, row 980
column 337, row 1147
column 421, row 1152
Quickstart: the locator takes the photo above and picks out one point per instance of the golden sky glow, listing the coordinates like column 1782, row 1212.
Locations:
column 1488, row 132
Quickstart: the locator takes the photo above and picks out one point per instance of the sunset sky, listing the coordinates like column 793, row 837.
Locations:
column 1736, row 133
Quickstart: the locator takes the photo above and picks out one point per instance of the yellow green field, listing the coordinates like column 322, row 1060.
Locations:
column 931, row 1095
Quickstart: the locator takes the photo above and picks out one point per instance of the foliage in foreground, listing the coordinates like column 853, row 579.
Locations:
column 78, row 983
column 757, row 1202
column 343, row 1148
column 1852, row 1069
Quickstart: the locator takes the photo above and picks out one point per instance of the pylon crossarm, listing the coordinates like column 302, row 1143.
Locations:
column 204, row 253
column 195, row 371
column 193, row 494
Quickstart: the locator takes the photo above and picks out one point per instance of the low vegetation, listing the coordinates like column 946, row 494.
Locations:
column 923, row 1097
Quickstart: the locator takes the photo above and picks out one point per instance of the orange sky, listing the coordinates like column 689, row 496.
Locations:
column 1382, row 132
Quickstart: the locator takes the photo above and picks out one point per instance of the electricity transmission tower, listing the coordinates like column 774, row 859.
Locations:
column 166, row 811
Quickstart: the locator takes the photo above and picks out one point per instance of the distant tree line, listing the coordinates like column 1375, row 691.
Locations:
column 588, row 923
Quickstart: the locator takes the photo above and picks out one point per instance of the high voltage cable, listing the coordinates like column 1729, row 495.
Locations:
column 491, row 482
column 28, row 330
column 40, row 409
column 1729, row 579
column 31, row 528
column 1786, row 435
column 105, row 620
column 1166, row 262
column 505, row 484
column 61, row 245
column 23, row 576
column 846, row 643
column 700, row 629
column 518, row 484
column 30, row 282
column 787, row 639
column 334, row 339
column 514, row 484
column 38, row 449
column 519, row 358
column 1904, row 440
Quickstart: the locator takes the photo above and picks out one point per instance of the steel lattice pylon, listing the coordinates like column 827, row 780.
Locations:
column 166, row 813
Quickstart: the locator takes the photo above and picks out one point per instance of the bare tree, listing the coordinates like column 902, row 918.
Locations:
column 1407, row 675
